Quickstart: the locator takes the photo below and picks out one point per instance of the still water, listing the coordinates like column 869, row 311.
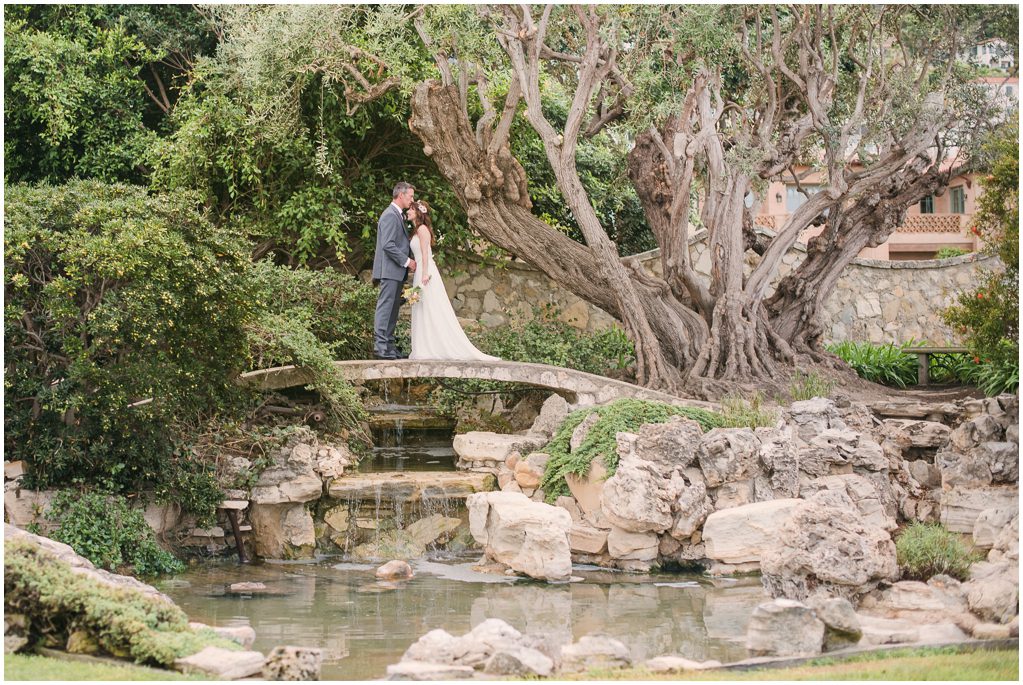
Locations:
column 364, row 625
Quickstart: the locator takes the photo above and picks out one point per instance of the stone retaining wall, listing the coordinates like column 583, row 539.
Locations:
column 877, row 301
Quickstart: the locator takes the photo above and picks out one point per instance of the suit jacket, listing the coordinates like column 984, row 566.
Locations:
column 393, row 248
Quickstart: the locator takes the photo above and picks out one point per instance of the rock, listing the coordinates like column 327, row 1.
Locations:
column 396, row 569
column 222, row 664
column 282, row 531
column 672, row 444
column 530, row 537
column 593, row 652
column 587, row 489
column 486, row 446
column 623, row 544
column 14, row 469
column 778, row 455
column 860, row 491
column 825, row 547
column 526, row 475
column 1007, row 541
column 972, row 433
column 989, row 524
column 841, row 626
column 637, row 498
column 812, row 417
column 582, row 431
column 960, row 507
column 692, row 507
column 80, row 564
column 784, row 627
column 1002, row 460
column 519, row 661
column 742, row 534
column 24, row 507
column 884, row 631
column 430, row 529
column 994, row 599
column 911, row 595
column 933, row 633
column 247, row 587
column 292, row 478
column 243, row 635
column 163, row 516
column 338, row 518
column 925, row 473
column 14, row 643
column 586, row 539
column 552, row 413
column 677, row 664
column 728, row 454
column 908, row 433
column 293, row 663
column 992, row 631
column 333, row 461
column 423, row 670
column 80, row 642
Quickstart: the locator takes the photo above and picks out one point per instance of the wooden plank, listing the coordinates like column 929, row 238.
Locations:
column 936, row 350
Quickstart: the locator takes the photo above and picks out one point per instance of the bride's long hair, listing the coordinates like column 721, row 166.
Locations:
column 424, row 219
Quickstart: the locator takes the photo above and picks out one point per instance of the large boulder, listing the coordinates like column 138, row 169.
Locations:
column 784, row 627
column 960, row 507
column 743, row 534
column 992, row 591
column 529, row 537
column 826, row 548
column 910, row 433
column 293, row 663
column 552, row 413
column 990, row 523
column 728, row 455
column 282, row 531
column 221, row 664
column 862, row 493
column 841, row 625
column 638, row 497
column 292, row 478
column 496, row 447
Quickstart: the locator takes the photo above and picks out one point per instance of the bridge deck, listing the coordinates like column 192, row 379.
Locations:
column 587, row 387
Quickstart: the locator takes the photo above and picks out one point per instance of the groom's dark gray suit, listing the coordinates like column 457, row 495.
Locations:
column 389, row 268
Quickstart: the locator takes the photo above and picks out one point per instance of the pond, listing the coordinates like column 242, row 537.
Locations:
column 363, row 625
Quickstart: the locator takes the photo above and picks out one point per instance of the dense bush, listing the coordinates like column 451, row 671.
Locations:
column 123, row 622
column 124, row 318
column 927, row 549
column 621, row 415
column 310, row 318
column 885, row 364
column 988, row 315
column 104, row 529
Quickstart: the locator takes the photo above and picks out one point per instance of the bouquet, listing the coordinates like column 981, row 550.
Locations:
column 412, row 294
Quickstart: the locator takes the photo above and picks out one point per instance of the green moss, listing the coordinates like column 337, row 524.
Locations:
column 620, row 416
column 123, row 622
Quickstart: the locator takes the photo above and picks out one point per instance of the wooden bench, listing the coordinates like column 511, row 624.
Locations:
column 923, row 359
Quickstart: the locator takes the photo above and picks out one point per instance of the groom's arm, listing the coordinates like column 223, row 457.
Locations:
column 390, row 226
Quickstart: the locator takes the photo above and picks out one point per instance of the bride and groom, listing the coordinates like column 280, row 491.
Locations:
column 436, row 333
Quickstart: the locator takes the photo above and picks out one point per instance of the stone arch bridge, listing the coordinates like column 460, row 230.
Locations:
column 586, row 388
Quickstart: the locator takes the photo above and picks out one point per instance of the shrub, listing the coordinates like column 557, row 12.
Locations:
column 123, row 622
column 109, row 533
column 949, row 252
column 988, row 316
column 621, row 415
column 927, row 549
column 808, row 386
column 737, row 412
column 124, row 315
column 885, row 364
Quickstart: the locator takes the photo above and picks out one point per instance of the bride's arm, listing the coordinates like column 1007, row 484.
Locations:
column 424, row 249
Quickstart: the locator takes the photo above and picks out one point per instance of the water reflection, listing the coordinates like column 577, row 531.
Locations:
column 363, row 625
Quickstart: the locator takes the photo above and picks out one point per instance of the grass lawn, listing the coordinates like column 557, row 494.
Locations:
column 34, row 667
column 907, row 664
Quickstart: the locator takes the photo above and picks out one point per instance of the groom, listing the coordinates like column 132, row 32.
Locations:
column 391, row 265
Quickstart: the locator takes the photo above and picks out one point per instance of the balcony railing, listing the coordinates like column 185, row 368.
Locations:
column 918, row 223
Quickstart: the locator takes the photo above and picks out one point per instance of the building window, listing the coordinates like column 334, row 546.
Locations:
column 957, row 196
column 795, row 199
column 927, row 205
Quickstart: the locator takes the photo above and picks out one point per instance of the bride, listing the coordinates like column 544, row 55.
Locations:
column 436, row 333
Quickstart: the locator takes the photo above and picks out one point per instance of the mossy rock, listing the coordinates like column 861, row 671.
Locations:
column 119, row 621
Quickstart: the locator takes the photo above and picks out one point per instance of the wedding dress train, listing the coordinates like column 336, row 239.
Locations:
column 436, row 333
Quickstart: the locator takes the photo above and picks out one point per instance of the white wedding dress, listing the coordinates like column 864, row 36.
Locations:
column 436, row 333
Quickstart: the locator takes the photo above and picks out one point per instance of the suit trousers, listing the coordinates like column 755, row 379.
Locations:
column 386, row 317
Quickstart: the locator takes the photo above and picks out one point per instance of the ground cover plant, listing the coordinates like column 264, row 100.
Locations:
column 927, row 549
column 621, row 415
